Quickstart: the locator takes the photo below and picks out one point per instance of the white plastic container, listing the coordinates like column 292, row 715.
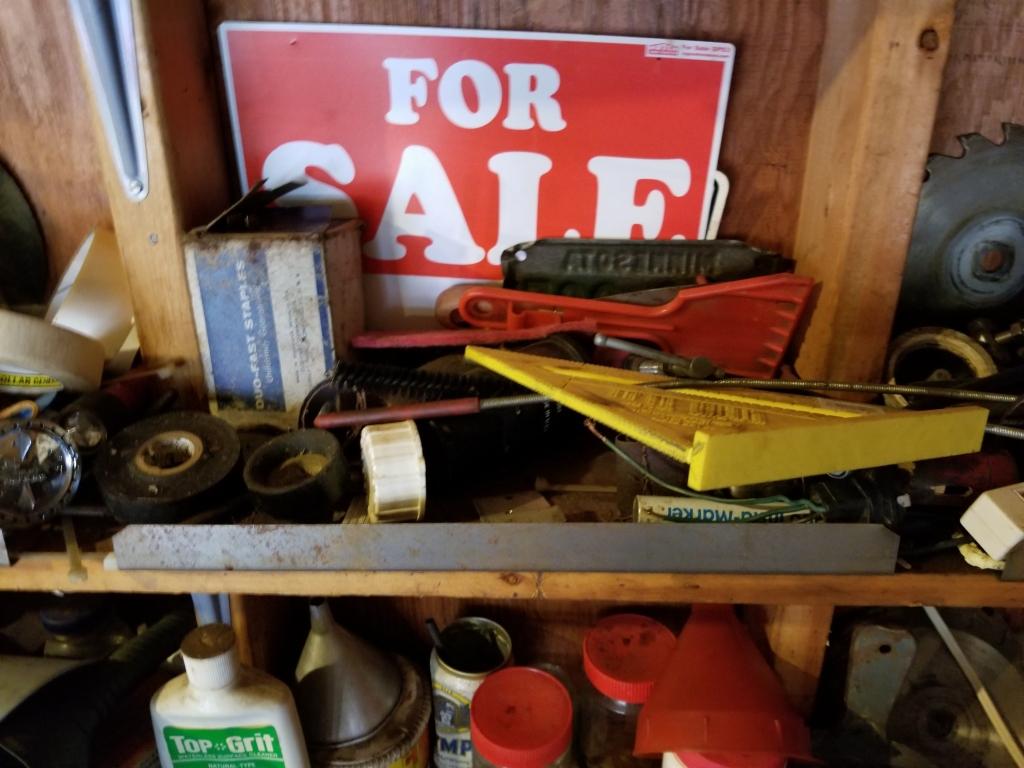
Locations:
column 996, row 520
column 222, row 715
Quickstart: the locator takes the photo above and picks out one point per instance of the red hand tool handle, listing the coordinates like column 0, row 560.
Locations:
column 743, row 325
column 464, row 406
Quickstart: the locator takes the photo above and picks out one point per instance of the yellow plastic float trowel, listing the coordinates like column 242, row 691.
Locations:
column 737, row 436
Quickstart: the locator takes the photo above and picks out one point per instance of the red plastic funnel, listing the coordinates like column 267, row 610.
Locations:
column 719, row 698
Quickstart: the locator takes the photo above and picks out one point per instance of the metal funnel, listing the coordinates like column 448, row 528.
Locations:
column 346, row 688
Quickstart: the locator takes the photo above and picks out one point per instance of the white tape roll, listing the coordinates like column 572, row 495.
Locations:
column 31, row 348
column 396, row 474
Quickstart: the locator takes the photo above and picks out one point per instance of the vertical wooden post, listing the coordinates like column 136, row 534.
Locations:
column 187, row 177
column 797, row 637
column 878, row 91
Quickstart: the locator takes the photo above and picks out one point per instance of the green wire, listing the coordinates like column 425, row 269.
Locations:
column 785, row 503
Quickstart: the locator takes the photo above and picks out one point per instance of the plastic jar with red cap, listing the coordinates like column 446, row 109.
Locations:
column 521, row 717
column 623, row 656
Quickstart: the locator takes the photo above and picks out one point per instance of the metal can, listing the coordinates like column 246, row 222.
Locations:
column 472, row 649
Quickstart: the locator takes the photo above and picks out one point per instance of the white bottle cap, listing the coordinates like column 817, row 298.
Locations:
column 211, row 658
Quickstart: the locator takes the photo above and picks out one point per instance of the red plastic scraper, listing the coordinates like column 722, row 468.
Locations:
column 745, row 326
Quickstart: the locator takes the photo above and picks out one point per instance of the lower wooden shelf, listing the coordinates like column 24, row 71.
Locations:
column 49, row 572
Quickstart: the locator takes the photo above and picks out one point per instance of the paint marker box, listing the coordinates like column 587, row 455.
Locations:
column 275, row 306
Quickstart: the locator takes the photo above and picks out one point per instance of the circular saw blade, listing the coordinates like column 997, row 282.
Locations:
column 937, row 714
column 23, row 267
column 966, row 253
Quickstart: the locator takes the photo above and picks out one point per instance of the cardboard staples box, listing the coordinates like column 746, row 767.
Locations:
column 274, row 309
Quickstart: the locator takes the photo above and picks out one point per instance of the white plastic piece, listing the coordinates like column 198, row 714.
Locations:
column 395, row 472
column 721, row 182
column 211, row 673
column 996, row 520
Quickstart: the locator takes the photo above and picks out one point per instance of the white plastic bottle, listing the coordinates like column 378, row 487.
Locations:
column 222, row 715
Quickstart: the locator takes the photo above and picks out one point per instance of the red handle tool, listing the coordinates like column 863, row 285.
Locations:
column 745, row 326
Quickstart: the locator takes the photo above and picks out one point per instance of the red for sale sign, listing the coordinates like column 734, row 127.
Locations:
column 455, row 144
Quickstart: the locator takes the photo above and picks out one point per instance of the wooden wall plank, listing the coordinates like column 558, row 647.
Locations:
column 46, row 137
column 47, row 572
column 187, row 176
column 877, row 94
column 773, row 88
column 796, row 638
column 983, row 85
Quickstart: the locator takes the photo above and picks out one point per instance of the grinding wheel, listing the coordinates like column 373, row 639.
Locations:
column 169, row 467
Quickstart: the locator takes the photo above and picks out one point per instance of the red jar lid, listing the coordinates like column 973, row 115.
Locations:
column 521, row 718
column 624, row 654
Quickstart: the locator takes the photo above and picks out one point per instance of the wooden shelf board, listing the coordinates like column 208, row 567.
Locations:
column 46, row 572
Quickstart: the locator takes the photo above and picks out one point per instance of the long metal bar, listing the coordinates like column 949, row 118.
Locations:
column 676, row 365
column 922, row 390
column 106, row 34
column 658, row 548
column 998, row 430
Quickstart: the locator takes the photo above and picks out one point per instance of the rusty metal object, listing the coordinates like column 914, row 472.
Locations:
column 908, row 703
column 833, row 548
column 1004, row 345
column 880, row 658
column 598, row 268
column 966, row 252
column 934, row 355
column 672, row 365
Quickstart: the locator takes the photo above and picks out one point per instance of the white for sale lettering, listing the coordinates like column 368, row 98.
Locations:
column 421, row 176
column 422, row 201
column 617, row 181
column 531, row 91
column 518, row 194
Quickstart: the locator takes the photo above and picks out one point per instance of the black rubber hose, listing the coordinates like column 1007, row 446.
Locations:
column 54, row 727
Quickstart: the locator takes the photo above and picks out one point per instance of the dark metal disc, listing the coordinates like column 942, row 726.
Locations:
column 966, row 253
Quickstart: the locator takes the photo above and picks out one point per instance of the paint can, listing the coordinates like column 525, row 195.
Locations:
column 473, row 648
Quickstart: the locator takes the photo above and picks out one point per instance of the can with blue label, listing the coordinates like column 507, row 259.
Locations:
column 471, row 648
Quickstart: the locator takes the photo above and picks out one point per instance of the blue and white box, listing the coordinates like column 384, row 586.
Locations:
column 273, row 310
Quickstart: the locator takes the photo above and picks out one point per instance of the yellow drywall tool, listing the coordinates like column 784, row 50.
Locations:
column 736, row 437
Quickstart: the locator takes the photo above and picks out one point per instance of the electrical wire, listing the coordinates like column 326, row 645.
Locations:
column 782, row 504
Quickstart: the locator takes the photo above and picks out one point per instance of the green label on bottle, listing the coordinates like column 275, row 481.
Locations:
column 224, row 747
